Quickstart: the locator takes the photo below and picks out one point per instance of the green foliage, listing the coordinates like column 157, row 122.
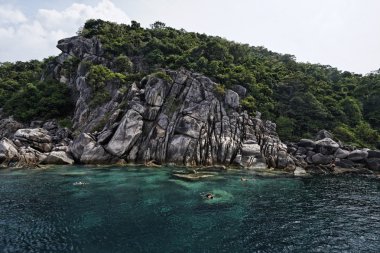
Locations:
column 366, row 134
column 123, row 64
column 98, row 77
column 162, row 75
column 345, row 133
column 352, row 110
column 70, row 66
column 309, row 96
column 285, row 128
column 248, row 103
column 24, row 96
column 301, row 97
column 43, row 100
column 65, row 122
column 220, row 89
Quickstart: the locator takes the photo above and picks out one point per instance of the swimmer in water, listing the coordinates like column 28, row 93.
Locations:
column 209, row 195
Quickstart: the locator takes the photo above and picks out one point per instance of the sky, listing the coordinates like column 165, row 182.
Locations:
column 340, row 33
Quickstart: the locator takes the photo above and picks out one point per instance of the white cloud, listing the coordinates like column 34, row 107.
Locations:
column 23, row 39
column 10, row 15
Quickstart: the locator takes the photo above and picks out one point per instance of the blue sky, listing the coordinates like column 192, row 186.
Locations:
column 340, row 33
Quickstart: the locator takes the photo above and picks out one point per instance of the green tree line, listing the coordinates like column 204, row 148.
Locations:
column 301, row 98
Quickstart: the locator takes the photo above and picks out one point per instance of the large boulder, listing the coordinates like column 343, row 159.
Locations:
column 58, row 157
column 30, row 157
column 299, row 172
column 189, row 126
column 306, row 143
column 373, row 164
column 240, row 90
column 37, row 138
column 8, row 127
column 79, row 46
column 155, row 91
column 251, row 155
column 357, row 155
column 323, row 134
column 86, row 150
column 341, row 153
column 96, row 154
column 322, row 159
column 326, row 146
column 232, row 99
column 373, row 153
column 79, row 144
column 177, row 149
column 126, row 134
column 8, row 152
column 345, row 163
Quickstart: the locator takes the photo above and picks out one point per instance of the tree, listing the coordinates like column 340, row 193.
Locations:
column 158, row 25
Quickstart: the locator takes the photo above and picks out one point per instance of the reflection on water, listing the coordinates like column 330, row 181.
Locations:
column 114, row 209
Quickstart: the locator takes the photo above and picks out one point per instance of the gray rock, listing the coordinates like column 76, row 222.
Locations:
column 126, row 134
column 232, row 99
column 189, row 126
column 37, row 138
column 341, row 153
column 79, row 144
column 8, row 127
column 30, row 157
column 373, row 164
column 181, row 121
column 299, row 172
column 301, row 151
column 251, row 156
column 345, row 163
column 50, row 125
column 373, row 153
column 58, row 157
column 36, row 124
column 240, row 90
column 306, row 143
column 79, row 46
column 8, row 152
column 323, row 134
column 326, row 146
column 177, row 149
column 96, row 154
column 105, row 136
column 85, row 150
column 155, row 91
column 357, row 155
column 322, row 159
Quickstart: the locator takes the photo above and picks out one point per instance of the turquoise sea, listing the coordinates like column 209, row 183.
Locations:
column 137, row 209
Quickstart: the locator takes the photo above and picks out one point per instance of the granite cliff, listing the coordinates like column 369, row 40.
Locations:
column 167, row 117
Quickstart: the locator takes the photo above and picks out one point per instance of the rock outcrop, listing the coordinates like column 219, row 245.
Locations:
column 181, row 122
column 46, row 144
column 171, row 117
column 323, row 155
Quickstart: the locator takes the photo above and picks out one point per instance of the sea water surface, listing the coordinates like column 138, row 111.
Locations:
column 135, row 209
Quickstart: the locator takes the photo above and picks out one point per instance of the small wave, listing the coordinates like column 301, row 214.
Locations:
column 80, row 183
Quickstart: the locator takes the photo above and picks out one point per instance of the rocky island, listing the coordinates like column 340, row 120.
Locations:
column 167, row 116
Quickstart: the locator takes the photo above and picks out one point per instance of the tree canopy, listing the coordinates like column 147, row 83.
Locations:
column 301, row 98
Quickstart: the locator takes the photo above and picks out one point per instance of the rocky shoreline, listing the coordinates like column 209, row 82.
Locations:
column 172, row 117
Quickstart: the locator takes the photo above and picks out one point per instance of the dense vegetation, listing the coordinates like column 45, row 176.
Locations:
column 301, row 98
column 26, row 97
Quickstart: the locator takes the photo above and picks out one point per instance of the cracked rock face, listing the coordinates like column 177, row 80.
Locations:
column 183, row 122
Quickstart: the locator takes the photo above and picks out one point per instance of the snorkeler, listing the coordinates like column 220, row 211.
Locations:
column 209, row 195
